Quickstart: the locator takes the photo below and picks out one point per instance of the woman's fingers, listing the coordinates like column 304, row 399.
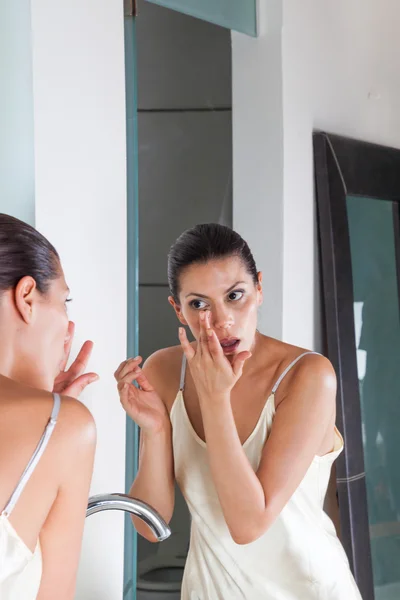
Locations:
column 203, row 338
column 135, row 375
column 126, row 366
column 77, row 386
column 118, row 371
column 131, row 365
column 214, row 346
column 203, row 329
column 67, row 345
column 211, row 345
column 140, row 378
column 79, row 365
column 126, row 398
column 239, row 361
column 144, row 382
column 188, row 350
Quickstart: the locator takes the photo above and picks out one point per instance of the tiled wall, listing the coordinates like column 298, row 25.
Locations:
column 185, row 166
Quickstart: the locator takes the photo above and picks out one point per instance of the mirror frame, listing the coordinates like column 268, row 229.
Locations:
column 344, row 166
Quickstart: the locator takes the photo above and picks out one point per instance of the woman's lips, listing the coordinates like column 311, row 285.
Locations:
column 229, row 345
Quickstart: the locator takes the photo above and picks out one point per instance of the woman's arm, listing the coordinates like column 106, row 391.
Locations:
column 154, row 482
column 61, row 535
column 251, row 501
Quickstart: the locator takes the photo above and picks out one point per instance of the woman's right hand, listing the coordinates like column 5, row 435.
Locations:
column 142, row 404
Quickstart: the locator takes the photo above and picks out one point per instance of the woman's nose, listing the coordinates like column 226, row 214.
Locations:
column 221, row 319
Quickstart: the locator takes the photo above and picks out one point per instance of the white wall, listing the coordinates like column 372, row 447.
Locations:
column 79, row 116
column 258, row 154
column 339, row 72
column 16, row 111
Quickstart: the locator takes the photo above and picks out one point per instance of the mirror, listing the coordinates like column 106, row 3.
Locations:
column 358, row 193
column 374, row 242
column 185, row 178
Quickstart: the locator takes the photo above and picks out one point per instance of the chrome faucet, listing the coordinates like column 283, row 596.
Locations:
column 136, row 507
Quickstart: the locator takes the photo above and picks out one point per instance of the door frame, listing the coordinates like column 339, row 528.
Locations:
column 132, row 433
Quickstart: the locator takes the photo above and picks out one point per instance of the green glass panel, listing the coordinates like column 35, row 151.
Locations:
column 377, row 324
column 130, row 552
column 239, row 15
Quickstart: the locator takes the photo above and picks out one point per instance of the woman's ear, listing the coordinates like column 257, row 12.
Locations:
column 24, row 296
column 259, row 288
column 177, row 309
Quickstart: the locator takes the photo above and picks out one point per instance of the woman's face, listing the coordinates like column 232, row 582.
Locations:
column 226, row 289
column 51, row 323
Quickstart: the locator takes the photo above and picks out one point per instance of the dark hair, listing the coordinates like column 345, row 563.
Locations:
column 202, row 243
column 25, row 251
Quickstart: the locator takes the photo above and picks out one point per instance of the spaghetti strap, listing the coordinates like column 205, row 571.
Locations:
column 183, row 373
column 40, row 448
column 286, row 371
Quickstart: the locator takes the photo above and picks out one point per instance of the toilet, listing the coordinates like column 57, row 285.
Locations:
column 159, row 577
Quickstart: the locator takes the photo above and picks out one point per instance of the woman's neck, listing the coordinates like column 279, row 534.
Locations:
column 23, row 369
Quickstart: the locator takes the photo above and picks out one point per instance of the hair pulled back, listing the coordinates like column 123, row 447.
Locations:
column 202, row 243
column 24, row 251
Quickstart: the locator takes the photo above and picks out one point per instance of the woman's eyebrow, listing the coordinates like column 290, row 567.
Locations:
column 207, row 297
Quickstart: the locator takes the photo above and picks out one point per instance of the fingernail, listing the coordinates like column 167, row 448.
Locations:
column 180, row 330
column 209, row 332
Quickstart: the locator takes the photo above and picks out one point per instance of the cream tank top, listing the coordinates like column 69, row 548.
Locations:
column 298, row 558
column 21, row 569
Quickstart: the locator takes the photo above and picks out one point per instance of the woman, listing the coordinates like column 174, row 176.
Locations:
column 47, row 442
column 248, row 431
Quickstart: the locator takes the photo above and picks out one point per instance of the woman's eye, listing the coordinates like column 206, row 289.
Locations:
column 198, row 304
column 235, row 296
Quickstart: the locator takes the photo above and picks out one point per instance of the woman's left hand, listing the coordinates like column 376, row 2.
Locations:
column 73, row 381
column 213, row 374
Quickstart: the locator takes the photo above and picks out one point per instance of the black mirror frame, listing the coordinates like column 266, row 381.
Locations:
column 342, row 167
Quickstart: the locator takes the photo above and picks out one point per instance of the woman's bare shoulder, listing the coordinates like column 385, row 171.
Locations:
column 24, row 414
column 285, row 353
column 35, row 406
column 303, row 362
column 164, row 359
column 305, row 366
column 306, row 360
column 163, row 370
column 76, row 419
